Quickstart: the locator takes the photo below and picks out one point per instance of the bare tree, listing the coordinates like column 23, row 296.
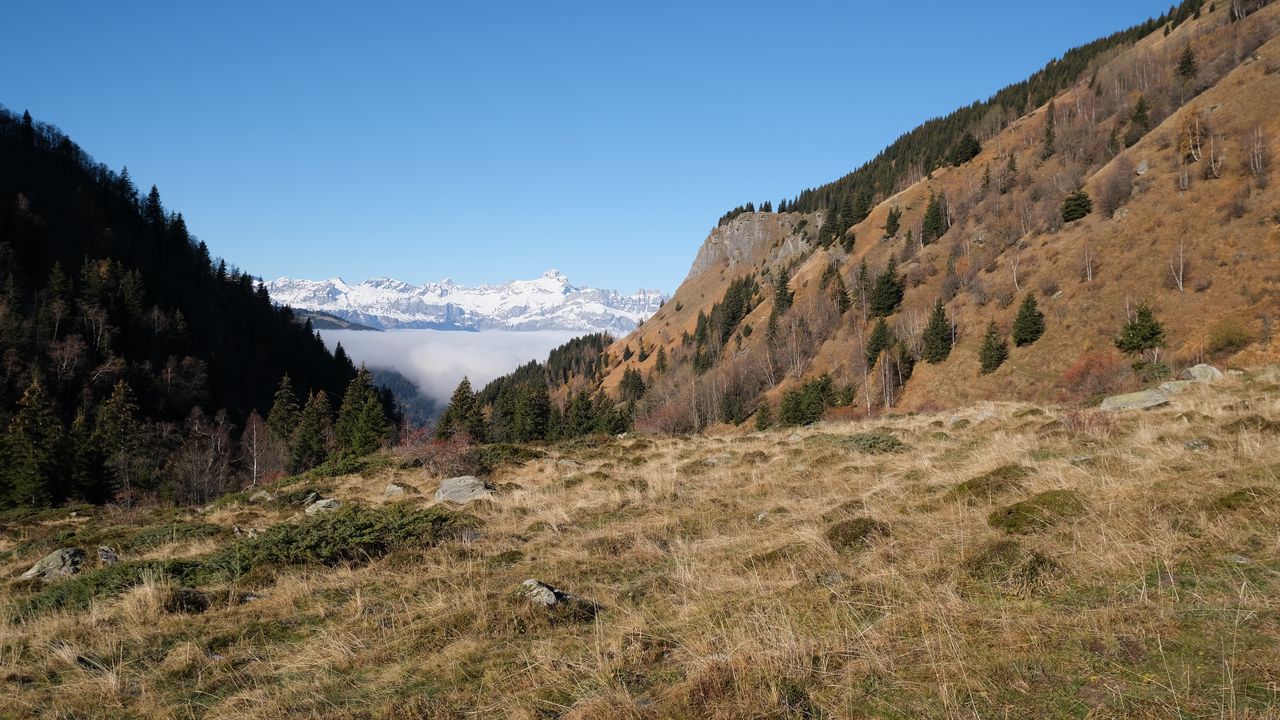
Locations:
column 1088, row 262
column 255, row 447
column 1014, row 259
column 1216, row 157
column 1259, row 156
column 1178, row 266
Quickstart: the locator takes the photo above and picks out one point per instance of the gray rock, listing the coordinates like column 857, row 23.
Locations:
column 63, row 562
column 1140, row 400
column 394, row 490
column 1173, row 387
column 244, row 532
column 1202, row 373
column 323, row 506
column 463, row 490
column 107, row 556
column 1198, row 444
column 1143, row 168
column 552, row 598
column 262, row 496
column 568, row 463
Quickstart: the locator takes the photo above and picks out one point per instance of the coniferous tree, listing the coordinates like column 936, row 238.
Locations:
column 1050, row 136
column 660, row 364
column 887, row 293
column 1077, row 205
column 27, row 128
column 310, row 442
column 937, row 336
column 362, row 426
column 152, row 210
column 632, row 386
column 893, row 222
column 966, row 149
column 463, row 415
column 118, row 435
column 282, row 419
column 881, row 337
column 994, row 350
column 84, row 462
column 532, row 412
column 1028, row 325
column 934, row 224
column 35, row 440
column 764, row 416
column 1188, row 68
column 1143, row 333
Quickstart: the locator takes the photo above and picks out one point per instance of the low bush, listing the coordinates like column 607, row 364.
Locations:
column 988, row 486
column 1094, row 376
column 1227, row 337
column 1038, row 512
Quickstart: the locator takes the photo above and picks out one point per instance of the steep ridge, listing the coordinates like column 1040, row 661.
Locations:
column 1185, row 218
column 549, row 302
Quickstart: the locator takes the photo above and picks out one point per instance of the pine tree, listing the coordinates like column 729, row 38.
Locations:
column 27, row 129
column 937, row 336
column 881, row 338
column 934, row 224
column 283, row 416
column 764, row 416
column 152, row 210
column 463, row 415
column 84, row 462
column 1050, row 135
column 893, row 222
column 1188, row 68
column 782, row 294
column 660, row 364
column 966, row 149
column 1141, row 334
column 887, row 293
column 532, row 412
column 994, row 350
column 362, row 425
column 1028, row 326
column 118, row 435
column 310, row 442
column 1077, row 205
column 36, row 438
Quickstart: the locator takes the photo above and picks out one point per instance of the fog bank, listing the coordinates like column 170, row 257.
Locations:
column 438, row 359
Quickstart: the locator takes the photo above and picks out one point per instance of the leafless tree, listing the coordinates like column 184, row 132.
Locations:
column 1089, row 260
column 1259, row 156
column 1178, row 266
column 256, row 447
column 1216, row 157
column 1014, row 259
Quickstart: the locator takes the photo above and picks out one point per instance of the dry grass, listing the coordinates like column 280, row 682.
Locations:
column 740, row 590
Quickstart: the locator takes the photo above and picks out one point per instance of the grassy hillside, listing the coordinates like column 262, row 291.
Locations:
column 1005, row 560
column 1178, row 161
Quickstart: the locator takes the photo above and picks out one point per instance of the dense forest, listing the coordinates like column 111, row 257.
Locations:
column 132, row 363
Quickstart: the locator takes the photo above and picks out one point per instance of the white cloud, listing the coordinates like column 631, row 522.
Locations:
column 437, row 359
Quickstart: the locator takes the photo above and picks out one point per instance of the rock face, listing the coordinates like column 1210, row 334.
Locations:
column 1141, row 400
column 463, row 490
column 1202, row 373
column 749, row 237
column 323, row 506
column 60, row 563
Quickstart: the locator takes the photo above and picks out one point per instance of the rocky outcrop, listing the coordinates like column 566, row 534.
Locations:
column 60, row 563
column 323, row 505
column 463, row 490
column 1141, row 400
column 1202, row 373
column 751, row 237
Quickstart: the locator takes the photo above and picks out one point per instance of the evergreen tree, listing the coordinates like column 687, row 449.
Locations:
column 840, row 294
column 994, row 350
column 362, row 425
column 937, row 336
column 1141, row 334
column 1077, row 205
column 934, row 224
column 887, row 293
column 310, row 442
column 1050, row 136
column 881, row 338
column 463, row 415
column 282, row 419
column 118, row 435
column 1188, row 68
column 893, row 222
column 84, row 462
column 27, row 128
column 966, row 149
column 1028, row 326
column 35, row 439
column 632, row 386
column 782, row 294
column 152, row 210
column 532, row 412
column 660, row 364
column 764, row 416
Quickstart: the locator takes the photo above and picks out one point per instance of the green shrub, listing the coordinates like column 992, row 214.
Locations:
column 1227, row 337
column 489, row 458
column 1038, row 512
column 876, row 442
column 804, row 405
column 988, row 486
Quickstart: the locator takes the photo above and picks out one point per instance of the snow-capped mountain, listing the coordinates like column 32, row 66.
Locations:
column 550, row 302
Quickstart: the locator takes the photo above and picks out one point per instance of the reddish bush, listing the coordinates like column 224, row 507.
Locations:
column 446, row 458
column 1094, row 376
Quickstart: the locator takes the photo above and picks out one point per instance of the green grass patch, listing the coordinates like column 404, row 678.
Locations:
column 988, row 486
column 855, row 533
column 876, row 442
column 1038, row 512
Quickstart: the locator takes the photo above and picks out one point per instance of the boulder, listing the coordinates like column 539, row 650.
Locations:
column 395, row 490
column 463, row 490
column 1143, row 168
column 262, row 496
column 1173, row 387
column 107, row 556
column 59, row 563
column 323, row 505
column 546, row 596
column 1202, row 373
column 1140, row 400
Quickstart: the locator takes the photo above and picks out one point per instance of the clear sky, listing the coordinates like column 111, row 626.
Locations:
column 491, row 141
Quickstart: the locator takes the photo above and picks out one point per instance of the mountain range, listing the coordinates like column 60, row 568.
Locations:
column 549, row 302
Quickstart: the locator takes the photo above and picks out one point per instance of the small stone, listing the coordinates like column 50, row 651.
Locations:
column 394, row 490
column 1143, row 168
column 262, row 496
column 107, row 556
column 323, row 506
column 1198, row 444
column 551, row 598
column 60, row 563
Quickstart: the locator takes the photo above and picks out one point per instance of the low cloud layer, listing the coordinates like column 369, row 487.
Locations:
column 438, row 359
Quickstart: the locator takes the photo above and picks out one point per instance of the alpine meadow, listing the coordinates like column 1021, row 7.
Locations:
column 988, row 427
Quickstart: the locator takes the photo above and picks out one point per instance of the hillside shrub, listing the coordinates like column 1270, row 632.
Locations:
column 1038, row 512
column 1095, row 376
column 1227, row 337
column 804, row 405
column 1076, row 206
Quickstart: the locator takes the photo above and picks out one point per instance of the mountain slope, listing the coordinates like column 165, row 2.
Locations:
column 549, row 302
column 1179, row 169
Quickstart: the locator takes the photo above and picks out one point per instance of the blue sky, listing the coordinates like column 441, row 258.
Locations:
column 491, row 141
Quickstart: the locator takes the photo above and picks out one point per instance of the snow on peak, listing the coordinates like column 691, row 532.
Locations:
column 549, row 302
